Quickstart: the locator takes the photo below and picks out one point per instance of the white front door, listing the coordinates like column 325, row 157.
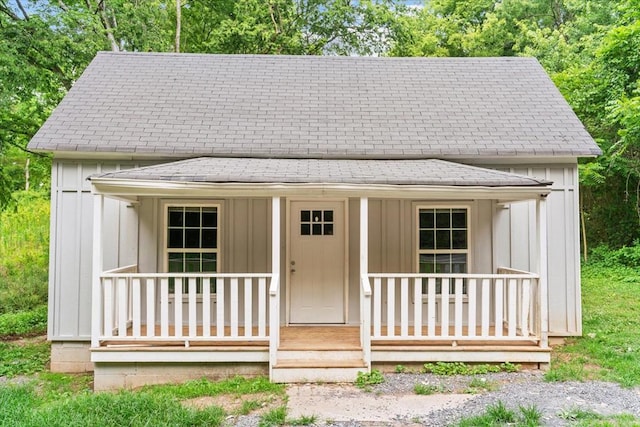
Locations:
column 317, row 262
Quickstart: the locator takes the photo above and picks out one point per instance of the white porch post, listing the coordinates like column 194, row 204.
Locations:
column 541, row 220
column 365, row 292
column 96, row 292
column 274, row 291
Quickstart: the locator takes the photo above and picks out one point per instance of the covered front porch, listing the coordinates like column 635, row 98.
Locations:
column 389, row 317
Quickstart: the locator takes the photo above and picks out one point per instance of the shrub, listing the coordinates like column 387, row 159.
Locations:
column 24, row 257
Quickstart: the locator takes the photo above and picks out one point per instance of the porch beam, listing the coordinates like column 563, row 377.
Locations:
column 542, row 246
column 96, row 270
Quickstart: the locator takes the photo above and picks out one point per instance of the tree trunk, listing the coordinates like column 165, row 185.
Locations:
column 26, row 174
column 178, row 23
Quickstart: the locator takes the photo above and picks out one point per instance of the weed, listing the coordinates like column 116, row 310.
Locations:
column 499, row 414
column 459, row 368
column 426, row 389
column 478, row 384
column 248, row 406
column 578, row 414
column 275, row 417
column 531, row 416
column 400, row 369
column 24, row 252
column 23, row 323
column 367, row 379
column 23, row 358
column 305, row 420
column 203, row 387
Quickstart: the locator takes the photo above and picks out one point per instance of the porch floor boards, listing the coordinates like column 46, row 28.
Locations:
column 321, row 337
column 175, row 341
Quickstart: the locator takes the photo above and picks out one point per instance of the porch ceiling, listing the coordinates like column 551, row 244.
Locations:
column 282, row 176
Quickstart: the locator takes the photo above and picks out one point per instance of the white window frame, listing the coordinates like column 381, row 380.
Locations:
column 165, row 226
column 416, row 232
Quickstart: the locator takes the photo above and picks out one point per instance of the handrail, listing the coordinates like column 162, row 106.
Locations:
column 453, row 275
column 129, row 269
column 110, row 275
column 366, row 286
column 274, row 285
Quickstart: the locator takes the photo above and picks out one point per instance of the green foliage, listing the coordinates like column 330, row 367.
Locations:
column 24, row 247
column 400, row 369
column 478, row 384
column 304, row 420
column 23, row 323
column 426, row 389
column 237, row 385
column 275, row 417
column 499, row 415
column 23, row 358
column 610, row 346
column 459, row 368
column 367, row 379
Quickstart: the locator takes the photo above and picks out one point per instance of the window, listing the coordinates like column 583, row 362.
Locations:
column 192, row 241
column 316, row 222
column 443, row 241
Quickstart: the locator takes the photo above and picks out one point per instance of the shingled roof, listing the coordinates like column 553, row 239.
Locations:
column 333, row 171
column 186, row 105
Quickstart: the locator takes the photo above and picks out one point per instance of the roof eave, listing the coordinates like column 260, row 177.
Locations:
column 133, row 189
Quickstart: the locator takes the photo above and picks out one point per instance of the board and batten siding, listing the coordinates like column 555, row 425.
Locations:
column 515, row 243
column 70, row 249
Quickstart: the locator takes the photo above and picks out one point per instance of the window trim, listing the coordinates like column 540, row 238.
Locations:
column 164, row 211
column 416, row 236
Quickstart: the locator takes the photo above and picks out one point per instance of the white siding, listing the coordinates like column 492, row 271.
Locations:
column 71, row 250
column 515, row 243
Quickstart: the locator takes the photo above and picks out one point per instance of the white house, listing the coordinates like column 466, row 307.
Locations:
column 309, row 217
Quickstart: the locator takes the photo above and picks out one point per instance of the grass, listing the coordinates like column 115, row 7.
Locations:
column 24, row 252
column 23, row 323
column 583, row 418
column 426, row 389
column 499, row 415
column 23, row 358
column 67, row 400
column 610, row 347
column 478, row 384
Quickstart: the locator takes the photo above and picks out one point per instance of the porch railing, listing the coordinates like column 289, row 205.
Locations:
column 455, row 307
column 183, row 307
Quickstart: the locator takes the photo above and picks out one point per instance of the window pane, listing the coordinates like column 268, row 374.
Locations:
column 209, row 238
column 427, row 263
column 176, row 264
column 317, row 229
column 192, row 238
column 209, row 262
column 427, row 240
column 305, row 229
column 328, row 229
column 443, row 218
column 443, row 263
column 305, row 216
column 175, row 217
column 459, row 218
column 328, row 216
column 192, row 217
column 459, row 239
column 192, row 263
column 426, row 218
column 443, row 239
column 175, row 238
column 209, row 217
column 458, row 263
column 317, row 216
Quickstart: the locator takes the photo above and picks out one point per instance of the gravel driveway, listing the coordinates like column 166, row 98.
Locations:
column 394, row 403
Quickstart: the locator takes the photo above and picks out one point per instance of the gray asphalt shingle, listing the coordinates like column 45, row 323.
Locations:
column 330, row 171
column 187, row 105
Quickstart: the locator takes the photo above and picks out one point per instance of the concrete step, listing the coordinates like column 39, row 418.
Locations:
column 320, row 355
column 315, row 374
